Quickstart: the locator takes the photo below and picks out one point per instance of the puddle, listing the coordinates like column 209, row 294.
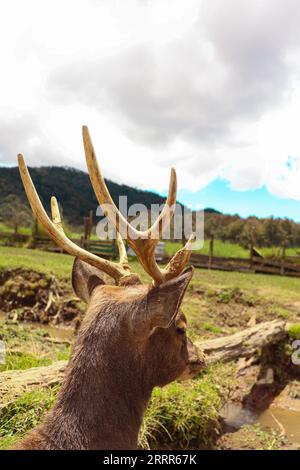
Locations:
column 236, row 415
column 289, row 419
column 56, row 332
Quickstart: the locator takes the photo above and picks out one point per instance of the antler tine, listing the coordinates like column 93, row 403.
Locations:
column 56, row 218
column 56, row 232
column 142, row 242
column 109, row 207
column 179, row 260
column 166, row 215
column 122, row 250
column 101, row 191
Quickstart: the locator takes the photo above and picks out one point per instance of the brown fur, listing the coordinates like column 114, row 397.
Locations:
column 131, row 339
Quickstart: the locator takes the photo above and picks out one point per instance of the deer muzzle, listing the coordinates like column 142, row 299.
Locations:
column 196, row 362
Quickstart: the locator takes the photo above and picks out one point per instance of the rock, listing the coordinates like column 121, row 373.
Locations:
column 268, row 379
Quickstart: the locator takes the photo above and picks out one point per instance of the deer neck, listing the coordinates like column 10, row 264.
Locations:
column 104, row 396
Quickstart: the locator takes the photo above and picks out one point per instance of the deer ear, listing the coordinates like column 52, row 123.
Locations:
column 163, row 302
column 85, row 278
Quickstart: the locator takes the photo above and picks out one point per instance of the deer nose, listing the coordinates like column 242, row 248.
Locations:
column 196, row 358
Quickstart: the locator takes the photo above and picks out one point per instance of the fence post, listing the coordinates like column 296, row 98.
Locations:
column 251, row 254
column 282, row 260
column 211, row 251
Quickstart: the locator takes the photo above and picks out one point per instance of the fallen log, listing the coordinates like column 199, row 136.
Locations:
column 245, row 343
column 14, row 383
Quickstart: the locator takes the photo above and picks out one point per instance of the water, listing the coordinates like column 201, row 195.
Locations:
column 60, row 333
column 289, row 419
column 235, row 415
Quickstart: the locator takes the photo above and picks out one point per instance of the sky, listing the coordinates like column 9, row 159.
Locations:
column 211, row 88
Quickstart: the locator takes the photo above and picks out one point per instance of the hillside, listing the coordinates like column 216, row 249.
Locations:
column 71, row 187
column 76, row 196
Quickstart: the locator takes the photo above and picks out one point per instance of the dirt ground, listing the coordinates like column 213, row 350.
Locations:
column 30, row 296
column 265, row 383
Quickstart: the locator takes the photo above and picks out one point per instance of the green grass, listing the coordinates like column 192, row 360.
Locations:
column 26, row 346
column 294, row 331
column 186, row 414
column 276, row 251
column 180, row 415
column 280, row 312
column 225, row 249
column 24, row 414
column 22, row 230
column 271, row 287
column 233, row 250
column 23, row 360
column 51, row 263
column 212, row 328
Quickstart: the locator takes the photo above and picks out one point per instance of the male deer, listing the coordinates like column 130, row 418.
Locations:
column 132, row 338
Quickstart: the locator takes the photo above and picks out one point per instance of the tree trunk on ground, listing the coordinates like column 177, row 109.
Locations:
column 15, row 383
column 245, row 343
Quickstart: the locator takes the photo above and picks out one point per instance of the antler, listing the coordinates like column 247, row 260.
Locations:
column 55, row 231
column 142, row 242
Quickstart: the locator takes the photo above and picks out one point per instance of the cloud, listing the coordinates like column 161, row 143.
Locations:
column 210, row 87
column 23, row 134
column 229, row 67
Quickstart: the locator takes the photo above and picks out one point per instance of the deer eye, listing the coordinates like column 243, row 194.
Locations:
column 180, row 331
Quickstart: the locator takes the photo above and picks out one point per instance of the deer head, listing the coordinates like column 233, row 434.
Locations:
column 133, row 336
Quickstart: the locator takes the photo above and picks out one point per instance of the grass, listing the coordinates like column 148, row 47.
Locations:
column 24, row 414
column 225, row 249
column 209, row 291
column 51, row 263
column 294, row 331
column 22, row 230
column 212, row 328
column 186, row 414
column 26, row 347
column 276, row 251
column 268, row 286
column 233, row 250
column 180, row 415
column 254, row 437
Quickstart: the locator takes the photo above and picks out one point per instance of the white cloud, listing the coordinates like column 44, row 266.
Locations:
column 210, row 87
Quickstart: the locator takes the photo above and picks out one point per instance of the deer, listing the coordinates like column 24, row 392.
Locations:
column 132, row 337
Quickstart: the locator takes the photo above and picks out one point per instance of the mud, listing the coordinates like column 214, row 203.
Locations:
column 264, row 407
column 30, row 296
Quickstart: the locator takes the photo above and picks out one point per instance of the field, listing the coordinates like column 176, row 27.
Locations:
column 181, row 415
column 233, row 250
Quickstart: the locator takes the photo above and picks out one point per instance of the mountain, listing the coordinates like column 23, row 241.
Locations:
column 72, row 189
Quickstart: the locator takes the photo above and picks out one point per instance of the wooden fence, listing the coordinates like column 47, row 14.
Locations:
column 286, row 266
column 254, row 264
column 104, row 248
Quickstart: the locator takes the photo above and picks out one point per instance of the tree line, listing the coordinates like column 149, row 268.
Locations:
column 267, row 232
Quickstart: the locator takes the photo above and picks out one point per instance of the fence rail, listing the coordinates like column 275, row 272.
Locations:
column 107, row 248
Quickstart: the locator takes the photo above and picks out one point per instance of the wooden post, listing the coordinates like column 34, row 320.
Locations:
column 90, row 223
column 34, row 231
column 211, row 251
column 282, row 259
column 34, row 228
column 251, row 255
column 85, row 233
column 183, row 239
